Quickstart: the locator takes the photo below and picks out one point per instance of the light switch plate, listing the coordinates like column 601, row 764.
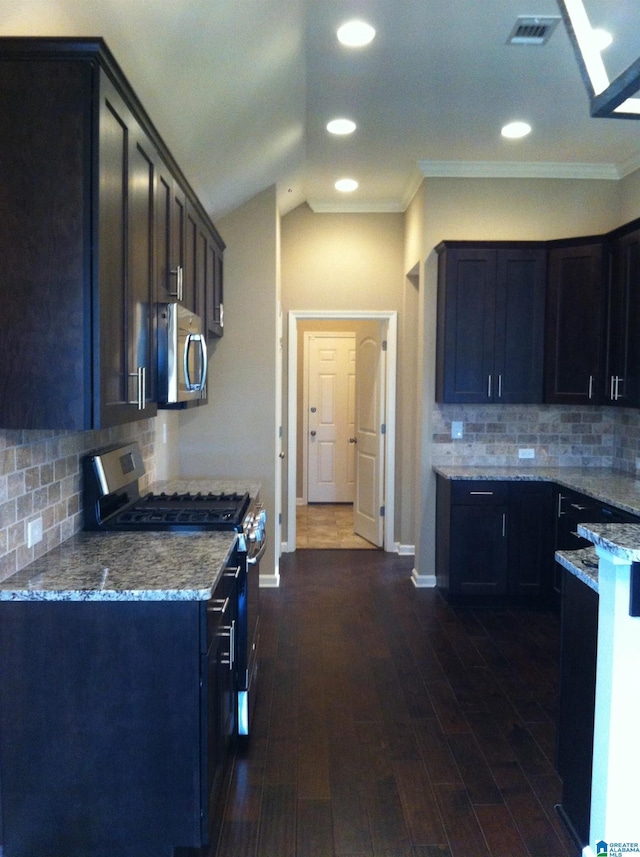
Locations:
column 34, row 532
column 457, row 429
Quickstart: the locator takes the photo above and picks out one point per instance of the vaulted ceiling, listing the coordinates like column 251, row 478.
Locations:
column 241, row 91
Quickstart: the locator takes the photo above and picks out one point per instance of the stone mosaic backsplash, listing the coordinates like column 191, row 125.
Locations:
column 40, row 477
column 562, row 436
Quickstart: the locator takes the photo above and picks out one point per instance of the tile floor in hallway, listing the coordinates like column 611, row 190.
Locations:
column 326, row 526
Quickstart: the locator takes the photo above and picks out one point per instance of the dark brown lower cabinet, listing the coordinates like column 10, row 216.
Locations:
column 115, row 718
column 494, row 541
column 577, row 703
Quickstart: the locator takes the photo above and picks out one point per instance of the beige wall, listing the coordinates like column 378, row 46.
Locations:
column 356, row 262
column 235, row 434
column 507, row 209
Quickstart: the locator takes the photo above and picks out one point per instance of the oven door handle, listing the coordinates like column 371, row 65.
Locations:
column 254, row 559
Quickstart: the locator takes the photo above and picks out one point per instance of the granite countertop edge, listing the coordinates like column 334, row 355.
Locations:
column 582, row 563
column 116, row 566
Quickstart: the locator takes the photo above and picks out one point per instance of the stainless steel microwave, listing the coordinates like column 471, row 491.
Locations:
column 182, row 356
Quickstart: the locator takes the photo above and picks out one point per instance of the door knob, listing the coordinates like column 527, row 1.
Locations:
column 312, row 433
column 282, row 455
column 353, row 440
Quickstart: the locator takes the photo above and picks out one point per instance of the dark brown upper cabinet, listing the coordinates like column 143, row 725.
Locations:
column 93, row 234
column 490, row 332
column 622, row 378
column 576, row 318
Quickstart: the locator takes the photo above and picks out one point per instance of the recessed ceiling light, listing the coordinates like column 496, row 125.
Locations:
column 356, row 34
column 515, row 130
column 602, row 39
column 341, row 126
column 346, row 185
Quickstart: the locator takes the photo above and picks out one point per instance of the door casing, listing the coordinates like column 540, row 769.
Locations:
column 390, row 320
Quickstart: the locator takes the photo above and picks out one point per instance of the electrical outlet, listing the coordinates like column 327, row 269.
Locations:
column 526, row 453
column 457, row 429
column 34, row 532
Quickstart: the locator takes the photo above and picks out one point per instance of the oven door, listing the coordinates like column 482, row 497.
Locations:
column 248, row 672
column 182, row 356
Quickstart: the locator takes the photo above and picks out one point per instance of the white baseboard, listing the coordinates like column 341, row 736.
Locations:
column 423, row 581
column 269, row 581
column 405, row 550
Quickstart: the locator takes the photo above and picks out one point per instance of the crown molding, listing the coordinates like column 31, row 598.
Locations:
column 516, row 170
column 378, row 207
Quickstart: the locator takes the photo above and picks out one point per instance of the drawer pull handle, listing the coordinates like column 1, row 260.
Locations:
column 481, row 493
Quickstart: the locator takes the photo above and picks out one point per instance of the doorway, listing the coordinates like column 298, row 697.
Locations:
column 386, row 322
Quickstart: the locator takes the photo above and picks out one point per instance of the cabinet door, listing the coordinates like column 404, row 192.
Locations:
column 466, row 324
column 622, row 377
column 214, row 289
column 126, row 293
column 45, row 243
column 141, row 292
column 478, row 551
column 165, row 281
column 575, row 324
column 519, row 328
column 194, row 262
column 112, row 402
column 531, row 543
column 577, row 701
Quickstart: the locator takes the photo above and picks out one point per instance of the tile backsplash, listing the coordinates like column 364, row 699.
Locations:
column 40, row 477
column 560, row 435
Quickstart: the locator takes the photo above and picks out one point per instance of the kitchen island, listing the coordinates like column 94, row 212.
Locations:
column 115, row 695
column 614, row 821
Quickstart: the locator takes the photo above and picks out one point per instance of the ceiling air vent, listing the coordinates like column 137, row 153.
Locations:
column 533, row 30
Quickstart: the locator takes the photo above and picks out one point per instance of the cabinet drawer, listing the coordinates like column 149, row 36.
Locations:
column 472, row 492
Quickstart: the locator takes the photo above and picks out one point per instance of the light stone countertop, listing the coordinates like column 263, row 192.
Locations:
column 117, row 566
column 134, row 566
column 620, row 540
column 582, row 563
column 206, row 484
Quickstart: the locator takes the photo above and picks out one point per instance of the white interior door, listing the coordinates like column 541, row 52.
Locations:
column 331, row 418
column 368, row 517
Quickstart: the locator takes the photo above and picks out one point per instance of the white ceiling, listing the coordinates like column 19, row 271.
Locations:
column 241, row 91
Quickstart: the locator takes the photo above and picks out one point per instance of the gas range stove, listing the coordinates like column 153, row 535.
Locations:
column 112, row 499
column 203, row 511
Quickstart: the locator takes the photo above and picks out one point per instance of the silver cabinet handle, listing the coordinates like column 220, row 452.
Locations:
column 488, row 386
column 481, row 493
column 178, row 274
column 141, row 387
column 221, row 315
column 500, row 386
column 232, row 572
column 591, row 386
column 560, row 499
column 218, row 605
column 504, row 524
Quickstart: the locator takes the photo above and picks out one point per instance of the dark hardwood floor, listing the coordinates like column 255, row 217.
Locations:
column 389, row 724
